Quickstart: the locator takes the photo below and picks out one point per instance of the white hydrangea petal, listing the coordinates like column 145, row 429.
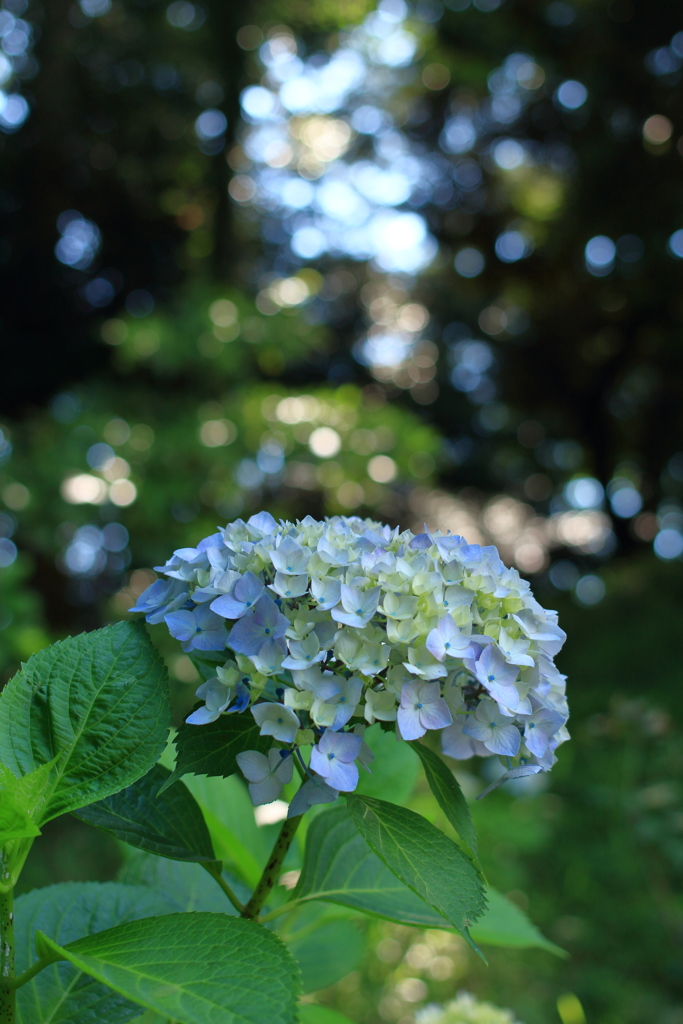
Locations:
column 266, row 791
column 253, row 765
column 289, row 586
column 285, row 768
column 327, row 592
column 410, row 724
column 202, row 716
column 277, row 721
column 455, row 743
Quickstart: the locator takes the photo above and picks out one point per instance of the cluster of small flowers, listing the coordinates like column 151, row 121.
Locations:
column 465, row 1009
column 336, row 625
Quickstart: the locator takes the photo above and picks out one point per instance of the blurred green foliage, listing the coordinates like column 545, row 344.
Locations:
column 595, row 859
column 23, row 628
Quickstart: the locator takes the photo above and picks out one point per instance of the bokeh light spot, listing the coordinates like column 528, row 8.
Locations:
column 211, row 124
column 657, row 130
column 625, row 501
column 216, row 433
column 585, row 492
column 350, row 494
column 564, row 574
column 187, row 16
column 16, row 496
column 599, row 254
column 325, row 442
column 83, row 489
column 382, row 469
column 436, row 76
column 95, row 8
column 668, row 544
column 571, row 95
column 8, row 552
column 589, row 590
column 675, row 245
column 122, row 493
column 511, row 246
column 469, row 262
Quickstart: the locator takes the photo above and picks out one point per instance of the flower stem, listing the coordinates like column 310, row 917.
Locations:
column 286, row 908
column 215, row 869
column 7, row 994
column 271, row 872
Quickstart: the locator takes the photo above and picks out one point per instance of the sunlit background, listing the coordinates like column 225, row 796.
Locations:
column 418, row 261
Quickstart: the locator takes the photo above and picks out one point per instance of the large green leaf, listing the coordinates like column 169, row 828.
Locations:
column 311, row 1013
column 340, row 867
column 169, row 825
column 395, row 768
column 196, row 968
column 504, row 924
column 97, row 704
column 423, row 858
column 211, row 749
column 150, row 1017
column 183, row 885
column 326, row 952
column 448, row 794
column 62, row 994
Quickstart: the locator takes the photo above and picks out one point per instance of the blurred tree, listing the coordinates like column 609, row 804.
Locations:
column 580, row 199
column 581, row 350
column 523, row 165
column 118, row 94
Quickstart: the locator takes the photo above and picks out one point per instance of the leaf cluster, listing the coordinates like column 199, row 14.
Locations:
column 82, row 727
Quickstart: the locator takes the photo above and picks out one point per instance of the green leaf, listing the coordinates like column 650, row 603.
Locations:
column 97, row 704
column 339, row 867
column 394, row 770
column 170, row 825
column 20, row 799
column 229, row 815
column 197, row 968
column 150, row 1017
column 211, row 749
column 449, row 797
column 424, row 859
column 311, row 1013
column 15, row 822
column 504, row 924
column 326, row 952
column 62, row 994
column 28, row 791
column 182, row 885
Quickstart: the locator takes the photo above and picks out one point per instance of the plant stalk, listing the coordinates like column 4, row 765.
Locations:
column 8, row 1002
column 271, row 872
column 286, row 908
column 215, row 869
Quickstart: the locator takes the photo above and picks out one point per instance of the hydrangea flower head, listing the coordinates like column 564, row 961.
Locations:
column 318, row 629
